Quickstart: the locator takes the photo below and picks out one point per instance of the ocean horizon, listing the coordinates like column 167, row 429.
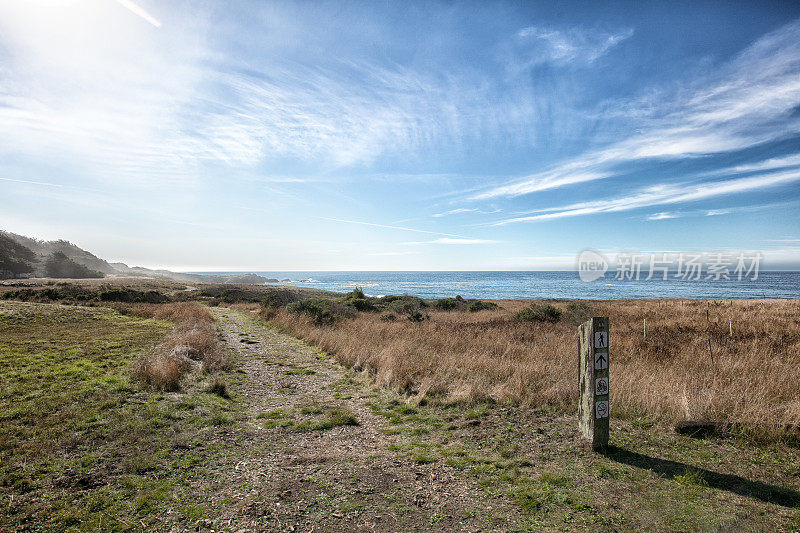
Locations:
column 535, row 284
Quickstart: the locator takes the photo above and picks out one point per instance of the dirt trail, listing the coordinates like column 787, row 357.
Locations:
column 278, row 476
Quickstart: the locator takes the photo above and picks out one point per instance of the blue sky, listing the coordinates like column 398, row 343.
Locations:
column 400, row 135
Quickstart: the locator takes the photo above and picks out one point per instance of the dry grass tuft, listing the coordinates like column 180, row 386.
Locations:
column 192, row 344
column 667, row 375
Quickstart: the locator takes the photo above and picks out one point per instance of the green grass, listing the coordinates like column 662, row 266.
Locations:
column 82, row 446
column 557, row 485
column 330, row 418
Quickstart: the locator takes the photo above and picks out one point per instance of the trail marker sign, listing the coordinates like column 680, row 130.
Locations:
column 601, row 339
column 594, row 407
column 600, row 360
column 600, row 386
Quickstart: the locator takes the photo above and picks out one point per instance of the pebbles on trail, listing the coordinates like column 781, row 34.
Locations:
column 344, row 476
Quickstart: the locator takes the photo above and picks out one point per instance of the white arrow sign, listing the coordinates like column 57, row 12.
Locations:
column 600, row 360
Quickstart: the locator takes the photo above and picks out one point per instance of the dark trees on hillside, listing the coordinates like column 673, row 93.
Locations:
column 15, row 258
column 59, row 265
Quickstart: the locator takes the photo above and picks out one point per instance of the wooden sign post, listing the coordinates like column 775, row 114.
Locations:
column 594, row 407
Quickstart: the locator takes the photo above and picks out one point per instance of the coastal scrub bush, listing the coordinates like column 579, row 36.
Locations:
column 447, row 304
column 64, row 292
column 359, row 300
column 579, row 312
column 478, row 305
column 276, row 298
column 540, row 313
column 232, row 295
column 411, row 307
column 133, row 296
column 322, row 311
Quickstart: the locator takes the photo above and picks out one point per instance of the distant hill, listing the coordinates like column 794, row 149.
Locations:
column 18, row 251
column 15, row 259
column 124, row 269
column 45, row 249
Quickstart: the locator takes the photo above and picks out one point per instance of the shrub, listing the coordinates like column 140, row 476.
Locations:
column 231, row 296
column 410, row 307
column 63, row 292
column 579, row 312
column 359, row 300
column 447, row 304
column 133, row 296
column 358, row 293
column 278, row 298
column 388, row 317
column 322, row 311
column 477, row 305
column 540, row 313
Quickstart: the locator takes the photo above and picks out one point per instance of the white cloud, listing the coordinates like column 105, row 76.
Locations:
column 549, row 45
column 456, row 212
column 663, row 216
column 380, row 254
column 662, row 195
column 387, row 226
column 119, row 99
column 448, row 241
column 748, row 102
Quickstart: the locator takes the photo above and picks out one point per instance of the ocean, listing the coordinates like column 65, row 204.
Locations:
column 538, row 284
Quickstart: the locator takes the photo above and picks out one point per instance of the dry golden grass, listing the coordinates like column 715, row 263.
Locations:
column 668, row 375
column 192, row 343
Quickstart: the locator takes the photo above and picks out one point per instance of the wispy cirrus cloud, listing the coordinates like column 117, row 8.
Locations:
column 463, row 210
column 388, row 226
column 539, row 44
column 663, row 216
column 151, row 104
column 454, row 241
column 665, row 194
column 684, row 213
column 750, row 101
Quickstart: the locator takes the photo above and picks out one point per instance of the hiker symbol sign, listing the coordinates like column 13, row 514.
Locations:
column 601, row 339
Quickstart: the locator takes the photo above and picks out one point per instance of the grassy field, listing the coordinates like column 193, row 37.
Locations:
column 729, row 361
column 82, row 444
column 438, row 417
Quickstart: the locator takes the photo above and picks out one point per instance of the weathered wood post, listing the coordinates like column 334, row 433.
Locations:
column 593, row 381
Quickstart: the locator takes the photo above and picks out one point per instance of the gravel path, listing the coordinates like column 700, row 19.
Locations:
column 279, row 475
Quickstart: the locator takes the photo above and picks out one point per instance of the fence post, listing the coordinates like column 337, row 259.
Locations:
column 594, row 407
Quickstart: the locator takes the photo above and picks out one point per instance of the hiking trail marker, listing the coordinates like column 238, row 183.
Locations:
column 593, row 381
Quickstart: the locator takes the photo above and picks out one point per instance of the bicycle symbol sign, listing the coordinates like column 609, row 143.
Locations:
column 601, row 386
